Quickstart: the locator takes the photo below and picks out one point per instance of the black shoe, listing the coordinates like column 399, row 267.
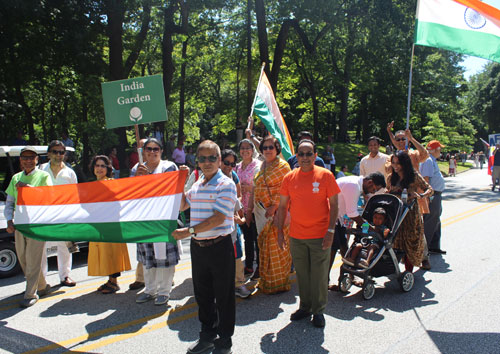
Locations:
column 426, row 265
column 318, row 320
column 493, row 188
column 299, row 314
column 437, row 250
column 200, row 346
column 136, row 285
column 219, row 350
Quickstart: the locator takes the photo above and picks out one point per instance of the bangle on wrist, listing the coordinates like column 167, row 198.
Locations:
column 252, row 135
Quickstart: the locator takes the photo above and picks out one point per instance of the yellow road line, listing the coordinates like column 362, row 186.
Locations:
column 468, row 211
column 486, row 207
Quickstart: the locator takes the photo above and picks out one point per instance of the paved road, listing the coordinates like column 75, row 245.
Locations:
column 452, row 309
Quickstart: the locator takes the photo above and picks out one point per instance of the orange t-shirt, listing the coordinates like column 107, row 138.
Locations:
column 309, row 207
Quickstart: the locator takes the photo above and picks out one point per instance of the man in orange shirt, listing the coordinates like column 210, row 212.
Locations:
column 311, row 194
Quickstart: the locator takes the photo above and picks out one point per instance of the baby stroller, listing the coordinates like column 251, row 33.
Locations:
column 386, row 261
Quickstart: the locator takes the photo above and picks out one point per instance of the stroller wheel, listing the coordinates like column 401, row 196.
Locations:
column 368, row 289
column 406, row 281
column 345, row 284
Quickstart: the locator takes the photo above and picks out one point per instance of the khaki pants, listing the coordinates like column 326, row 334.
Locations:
column 29, row 253
column 239, row 278
column 139, row 273
column 311, row 264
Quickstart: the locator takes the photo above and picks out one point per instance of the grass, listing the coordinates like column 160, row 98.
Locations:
column 345, row 154
column 461, row 167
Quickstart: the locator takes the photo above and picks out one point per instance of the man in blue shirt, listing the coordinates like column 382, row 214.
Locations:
column 429, row 169
column 294, row 162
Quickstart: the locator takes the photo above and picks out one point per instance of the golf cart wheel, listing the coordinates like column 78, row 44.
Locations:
column 345, row 284
column 368, row 289
column 406, row 281
column 9, row 263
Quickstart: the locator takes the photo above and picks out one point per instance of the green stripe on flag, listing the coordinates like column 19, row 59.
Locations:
column 471, row 42
column 118, row 232
column 267, row 118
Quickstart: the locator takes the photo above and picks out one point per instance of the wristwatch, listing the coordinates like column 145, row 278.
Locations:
column 191, row 231
column 332, row 231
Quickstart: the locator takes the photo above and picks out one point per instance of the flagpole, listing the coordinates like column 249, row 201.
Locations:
column 409, row 93
column 139, row 150
column 255, row 97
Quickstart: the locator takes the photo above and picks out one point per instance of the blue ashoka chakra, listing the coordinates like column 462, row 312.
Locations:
column 474, row 19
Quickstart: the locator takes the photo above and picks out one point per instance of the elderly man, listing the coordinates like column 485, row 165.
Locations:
column 29, row 251
column 375, row 161
column 212, row 199
column 351, row 189
column 399, row 140
column 60, row 173
column 429, row 169
column 311, row 194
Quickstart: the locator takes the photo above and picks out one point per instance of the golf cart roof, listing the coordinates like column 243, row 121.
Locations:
column 15, row 151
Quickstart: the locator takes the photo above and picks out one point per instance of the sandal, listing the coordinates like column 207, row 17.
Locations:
column 110, row 288
column 102, row 286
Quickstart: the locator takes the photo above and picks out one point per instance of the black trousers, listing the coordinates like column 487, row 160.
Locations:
column 432, row 222
column 213, row 270
column 251, row 245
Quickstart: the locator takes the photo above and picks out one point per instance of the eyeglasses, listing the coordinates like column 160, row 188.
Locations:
column 401, row 139
column 102, row 166
column 203, row 159
column 302, row 154
column 268, row 147
column 151, row 149
column 58, row 152
column 227, row 163
column 28, row 158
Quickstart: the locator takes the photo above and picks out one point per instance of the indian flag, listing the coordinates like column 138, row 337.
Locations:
column 464, row 26
column 267, row 110
column 138, row 209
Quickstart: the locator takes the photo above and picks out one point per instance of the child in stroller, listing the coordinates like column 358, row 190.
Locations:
column 367, row 244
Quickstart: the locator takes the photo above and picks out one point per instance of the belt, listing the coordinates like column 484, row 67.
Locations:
column 208, row 243
column 437, row 192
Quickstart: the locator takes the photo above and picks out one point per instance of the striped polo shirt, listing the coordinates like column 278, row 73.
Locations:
column 217, row 194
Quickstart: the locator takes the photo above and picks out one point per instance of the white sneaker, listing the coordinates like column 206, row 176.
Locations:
column 161, row 300
column 242, row 291
column 144, row 298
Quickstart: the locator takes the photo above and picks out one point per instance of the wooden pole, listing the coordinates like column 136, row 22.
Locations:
column 250, row 120
column 137, row 139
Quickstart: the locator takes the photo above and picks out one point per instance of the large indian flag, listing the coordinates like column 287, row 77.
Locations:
column 464, row 26
column 138, row 209
column 267, row 110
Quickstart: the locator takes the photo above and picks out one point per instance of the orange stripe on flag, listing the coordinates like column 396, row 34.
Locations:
column 492, row 13
column 140, row 187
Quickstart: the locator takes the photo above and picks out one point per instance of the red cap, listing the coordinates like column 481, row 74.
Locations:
column 434, row 144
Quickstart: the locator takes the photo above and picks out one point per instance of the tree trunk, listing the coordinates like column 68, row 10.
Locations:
column 260, row 13
column 182, row 91
column 344, row 95
column 365, row 123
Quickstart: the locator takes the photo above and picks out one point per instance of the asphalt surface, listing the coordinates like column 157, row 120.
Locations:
column 451, row 309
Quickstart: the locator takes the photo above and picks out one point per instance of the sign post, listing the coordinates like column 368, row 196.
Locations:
column 134, row 101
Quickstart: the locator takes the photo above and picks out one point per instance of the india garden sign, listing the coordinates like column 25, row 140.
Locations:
column 134, row 101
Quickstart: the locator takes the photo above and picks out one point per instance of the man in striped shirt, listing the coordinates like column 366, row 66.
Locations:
column 212, row 199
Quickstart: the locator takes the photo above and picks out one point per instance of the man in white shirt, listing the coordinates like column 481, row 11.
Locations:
column 375, row 161
column 351, row 189
column 59, row 173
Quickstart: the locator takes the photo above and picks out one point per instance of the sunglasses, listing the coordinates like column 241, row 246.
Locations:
column 57, row 152
column 302, row 154
column 28, row 158
column 151, row 149
column 211, row 158
column 401, row 139
column 102, row 166
column 268, row 147
column 227, row 163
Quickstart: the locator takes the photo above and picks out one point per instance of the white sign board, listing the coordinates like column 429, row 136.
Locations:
column 493, row 139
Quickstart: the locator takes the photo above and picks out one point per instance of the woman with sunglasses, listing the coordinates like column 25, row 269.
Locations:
column 159, row 259
column 246, row 170
column 410, row 237
column 274, row 262
column 106, row 258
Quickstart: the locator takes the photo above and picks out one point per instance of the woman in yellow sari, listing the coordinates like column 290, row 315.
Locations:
column 274, row 263
column 106, row 258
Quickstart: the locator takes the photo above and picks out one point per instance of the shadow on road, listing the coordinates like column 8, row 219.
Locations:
column 454, row 190
column 465, row 342
column 298, row 337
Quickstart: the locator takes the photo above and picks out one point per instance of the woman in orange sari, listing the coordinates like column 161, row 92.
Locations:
column 274, row 263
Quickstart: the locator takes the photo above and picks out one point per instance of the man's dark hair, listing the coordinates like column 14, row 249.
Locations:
column 55, row 143
column 377, row 178
column 303, row 134
column 376, row 138
column 306, row 141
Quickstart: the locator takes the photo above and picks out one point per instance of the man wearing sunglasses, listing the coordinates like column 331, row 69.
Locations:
column 29, row 251
column 60, row 173
column 293, row 160
column 399, row 139
column 212, row 199
column 311, row 194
